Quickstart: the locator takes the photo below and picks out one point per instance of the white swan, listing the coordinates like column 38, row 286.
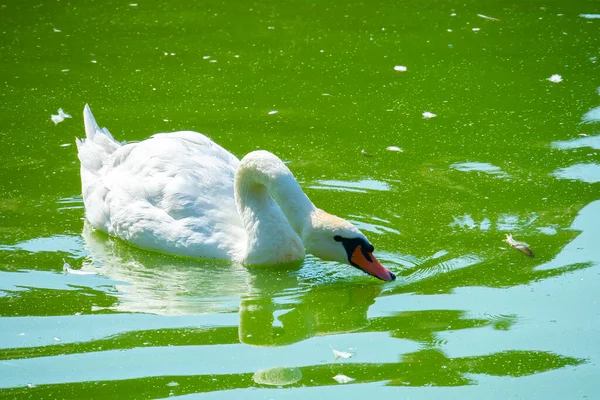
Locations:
column 181, row 193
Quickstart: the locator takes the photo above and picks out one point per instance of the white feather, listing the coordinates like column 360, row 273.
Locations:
column 340, row 354
column 60, row 117
column 341, row 378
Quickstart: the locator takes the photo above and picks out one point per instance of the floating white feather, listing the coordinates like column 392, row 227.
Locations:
column 60, row 117
column 394, row 148
column 341, row 378
column 340, row 354
column 556, row 78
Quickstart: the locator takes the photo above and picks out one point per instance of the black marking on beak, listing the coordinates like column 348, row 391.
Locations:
column 351, row 244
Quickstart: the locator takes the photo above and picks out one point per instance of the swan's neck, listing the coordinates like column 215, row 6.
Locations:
column 273, row 209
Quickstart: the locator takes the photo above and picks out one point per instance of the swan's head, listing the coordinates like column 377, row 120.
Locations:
column 335, row 239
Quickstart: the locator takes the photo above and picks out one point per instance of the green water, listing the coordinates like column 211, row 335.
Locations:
column 468, row 317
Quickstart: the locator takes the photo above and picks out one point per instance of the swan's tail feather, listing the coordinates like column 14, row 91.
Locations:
column 100, row 136
column 99, row 144
column 94, row 152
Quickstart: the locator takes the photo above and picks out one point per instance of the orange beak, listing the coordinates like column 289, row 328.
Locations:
column 373, row 267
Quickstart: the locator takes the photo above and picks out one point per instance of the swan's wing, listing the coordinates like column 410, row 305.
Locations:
column 173, row 193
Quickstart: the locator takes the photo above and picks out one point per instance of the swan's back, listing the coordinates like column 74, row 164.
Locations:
column 172, row 192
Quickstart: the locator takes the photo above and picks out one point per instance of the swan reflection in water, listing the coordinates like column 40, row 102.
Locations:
column 286, row 306
column 276, row 306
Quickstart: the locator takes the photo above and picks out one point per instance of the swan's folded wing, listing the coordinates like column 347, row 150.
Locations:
column 174, row 193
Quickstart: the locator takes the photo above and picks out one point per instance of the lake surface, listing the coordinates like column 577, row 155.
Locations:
column 495, row 106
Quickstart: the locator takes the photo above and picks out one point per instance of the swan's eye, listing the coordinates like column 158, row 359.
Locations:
column 337, row 238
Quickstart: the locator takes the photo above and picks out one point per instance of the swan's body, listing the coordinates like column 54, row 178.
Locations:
column 181, row 193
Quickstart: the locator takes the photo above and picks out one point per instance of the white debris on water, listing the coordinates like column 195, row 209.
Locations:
column 555, row 78
column 206, row 57
column 590, row 16
column 400, row 68
column 57, row 339
column 428, row 115
column 476, row 29
column 486, row 17
column 65, row 145
column 57, row 30
column 340, row 378
column 340, row 354
column 272, row 112
column 173, row 384
column 60, row 117
column 394, row 148
column 68, row 270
